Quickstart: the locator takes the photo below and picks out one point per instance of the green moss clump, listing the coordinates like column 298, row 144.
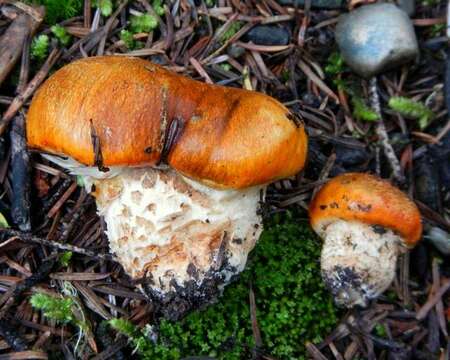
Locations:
column 61, row 34
column 105, row 6
column 143, row 23
column 232, row 30
column 335, row 64
column 39, row 47
column 127, row 38
column 363, row 112
column 412, row 110
column 64, row 259
column 59, row 10
column 292, row 305
column 59, row 309
column 158, row 7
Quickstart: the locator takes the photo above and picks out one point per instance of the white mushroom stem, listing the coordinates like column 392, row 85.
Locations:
column 177, row 232
column 358, row 261
column 185, row 239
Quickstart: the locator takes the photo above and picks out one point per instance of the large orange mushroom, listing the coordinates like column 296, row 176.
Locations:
column 365, row 222
column 179, row 167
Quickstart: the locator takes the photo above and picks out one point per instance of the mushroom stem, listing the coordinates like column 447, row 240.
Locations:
column 185, row 239
column 358, row 260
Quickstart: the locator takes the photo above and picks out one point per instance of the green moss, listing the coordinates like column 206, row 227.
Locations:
column 39, row 47
column 335, row 64
column 125, row 327
column 363, row 112
column 232, row 30
column 158, row 7
column 127, row 37
column 61, row 34
column 143, row 23
column 65, row 258
column 59, row 10
column 67, row 310
column 105, row 6
column 59, row 309
column 436, row 29
column 380, row 330
column 3, row 222
column 292, row 304
column 225, row 66
column 412, row 110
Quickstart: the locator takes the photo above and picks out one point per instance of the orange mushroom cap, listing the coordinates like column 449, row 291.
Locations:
column 228, row 138
column 369, row 199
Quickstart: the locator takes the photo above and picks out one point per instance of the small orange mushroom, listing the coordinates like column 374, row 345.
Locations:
column 365, row 222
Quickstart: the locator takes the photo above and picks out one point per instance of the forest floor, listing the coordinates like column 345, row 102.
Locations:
column 63, row 296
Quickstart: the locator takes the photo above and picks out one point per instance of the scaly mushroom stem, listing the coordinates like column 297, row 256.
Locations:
column 358, row 261
column 185, row 239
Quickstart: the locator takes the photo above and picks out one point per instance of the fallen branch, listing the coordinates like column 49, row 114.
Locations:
column 12, row 295
column 382, row 133
column 433, row 300
column 20, row 173
column 13, row 39
column 55, row 245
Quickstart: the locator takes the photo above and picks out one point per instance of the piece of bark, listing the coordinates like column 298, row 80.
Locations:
column 20, row 175
column 13, row 39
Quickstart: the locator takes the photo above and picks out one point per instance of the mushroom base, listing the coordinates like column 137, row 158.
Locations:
column 358, row 261
column 182, row 240
column 192, row 295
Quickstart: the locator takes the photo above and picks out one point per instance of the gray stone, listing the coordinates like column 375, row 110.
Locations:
column 318, row 4
column 440, row 239
column 374, row 38
column 408, row 6
column 235, row 51
column 268, row 35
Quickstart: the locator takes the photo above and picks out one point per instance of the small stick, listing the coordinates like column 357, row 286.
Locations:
column 108, row 26
column 20, row 99
column 335, row 351
column 255, row 327
column 439, row 304
column 24, row 66
column 36, row 14
column 314, row 351
column 28, row 354
column 11, row 42
column 12, row 295
column 382, row 133
column 111, row 348
column 20, row 173
column 74, row 216
column 433, row 300
column 404, row 279
column 324, row 172
column 56, row 245
column 55, row 208
column 51, row 199
column 87, row 13
column 96, row 145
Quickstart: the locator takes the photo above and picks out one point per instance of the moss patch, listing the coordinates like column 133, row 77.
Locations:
column 59, row 10
column 292, row 304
